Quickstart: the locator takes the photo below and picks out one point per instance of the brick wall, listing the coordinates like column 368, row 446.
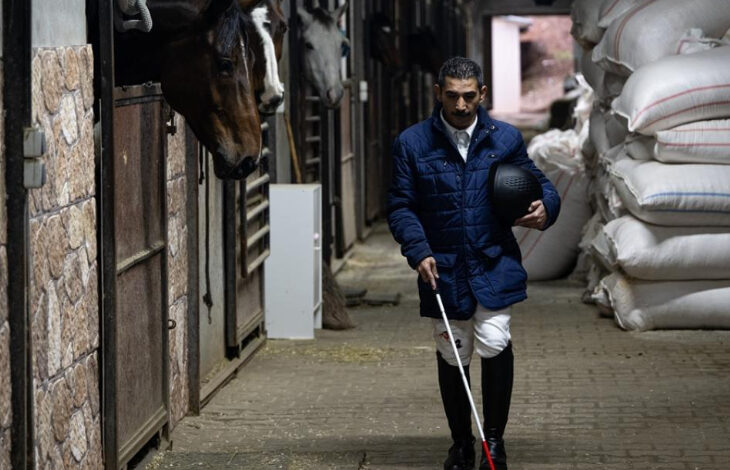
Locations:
column 63, row 274
column 178, row 270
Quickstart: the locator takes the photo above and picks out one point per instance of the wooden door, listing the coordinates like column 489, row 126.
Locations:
column 140, row 356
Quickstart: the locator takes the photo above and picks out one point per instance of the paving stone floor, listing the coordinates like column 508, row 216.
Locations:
column 587, row 395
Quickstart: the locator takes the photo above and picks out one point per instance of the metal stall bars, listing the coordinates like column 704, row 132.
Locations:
column 254, row 230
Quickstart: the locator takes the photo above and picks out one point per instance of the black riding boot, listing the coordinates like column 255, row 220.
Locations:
column 458, row 414
column 497, row 378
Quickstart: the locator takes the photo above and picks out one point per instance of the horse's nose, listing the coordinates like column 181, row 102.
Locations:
column 227, row 171
column 334, row 95
column 275, row 101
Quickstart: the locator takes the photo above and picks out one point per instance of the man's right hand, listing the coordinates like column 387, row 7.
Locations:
column 427, row 270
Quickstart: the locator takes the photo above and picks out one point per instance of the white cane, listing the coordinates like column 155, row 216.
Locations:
column 463, row 378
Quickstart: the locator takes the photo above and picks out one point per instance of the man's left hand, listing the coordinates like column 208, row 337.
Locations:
column 536, row 216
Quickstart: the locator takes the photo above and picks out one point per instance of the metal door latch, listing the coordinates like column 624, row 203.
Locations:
column 34, row 147
column 171, row 127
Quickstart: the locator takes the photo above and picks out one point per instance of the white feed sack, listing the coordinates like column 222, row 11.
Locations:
column 647, row 305
column 588, row 150
column 612, row 9
column 556, row 149
column 640, row 147
column 584, row 15
column 654, row 29
column 552, row 254
column 616, row 130
column 606, row 85
column 653, row 252
column 585, row 257
column 676, row 195
column 603, row 195
column 696, row 142
column 677, row 90
column 606, row 130
column 597, row 131
column 583, row 106
column 694, row 41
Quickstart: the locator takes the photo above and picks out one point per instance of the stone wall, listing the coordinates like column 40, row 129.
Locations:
column 5, row 387
column 177, row 262
column 63, row 293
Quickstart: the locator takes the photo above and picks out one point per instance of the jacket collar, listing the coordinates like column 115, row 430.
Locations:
column 485, row 127
column 483, row 120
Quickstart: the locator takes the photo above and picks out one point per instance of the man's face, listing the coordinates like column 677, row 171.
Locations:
column 460, row 98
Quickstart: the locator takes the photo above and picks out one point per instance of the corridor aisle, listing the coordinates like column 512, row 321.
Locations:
column 587, row 395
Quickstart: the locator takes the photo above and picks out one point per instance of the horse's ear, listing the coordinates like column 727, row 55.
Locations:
column 340, row 11
column 247, row 5
column 304, row 16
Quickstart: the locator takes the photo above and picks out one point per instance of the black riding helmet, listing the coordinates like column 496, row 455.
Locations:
column 511, row 189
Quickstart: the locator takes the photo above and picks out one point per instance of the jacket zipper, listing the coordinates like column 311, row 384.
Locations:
column 472, row 147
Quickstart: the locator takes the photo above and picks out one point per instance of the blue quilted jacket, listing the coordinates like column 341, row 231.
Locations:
column 438, row 206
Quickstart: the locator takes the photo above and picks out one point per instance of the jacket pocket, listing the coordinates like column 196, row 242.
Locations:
column 492, row 251
column 504, row 268
column 446, row 282
column 446, row 260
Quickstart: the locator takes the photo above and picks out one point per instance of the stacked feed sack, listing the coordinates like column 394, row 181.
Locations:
column 665, row 238
column 664, row 276
column 606, row 132
column 552, row 254
column 670, row 259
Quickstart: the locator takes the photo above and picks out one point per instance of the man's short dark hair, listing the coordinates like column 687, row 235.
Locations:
column 460, row 67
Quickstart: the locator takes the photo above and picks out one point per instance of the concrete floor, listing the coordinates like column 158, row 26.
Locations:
column 587, row 395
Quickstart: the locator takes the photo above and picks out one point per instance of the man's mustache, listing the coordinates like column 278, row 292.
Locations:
column 460, row 113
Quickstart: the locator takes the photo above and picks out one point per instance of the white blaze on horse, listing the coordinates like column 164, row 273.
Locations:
column 323, row 43
column 270, row 27
column 203, row 52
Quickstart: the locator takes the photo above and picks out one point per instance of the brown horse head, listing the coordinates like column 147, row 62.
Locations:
column 266, row 27
column 207, row 76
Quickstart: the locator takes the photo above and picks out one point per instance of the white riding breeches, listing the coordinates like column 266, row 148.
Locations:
column 488, row 328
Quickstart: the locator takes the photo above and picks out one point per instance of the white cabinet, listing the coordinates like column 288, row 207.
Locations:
column 293, row 271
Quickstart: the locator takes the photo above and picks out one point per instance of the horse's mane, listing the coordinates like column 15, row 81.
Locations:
column 233, row 22
column 227, row 32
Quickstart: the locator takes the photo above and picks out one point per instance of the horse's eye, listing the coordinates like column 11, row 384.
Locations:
column 267, row 25
column 309, row 45
column 225, row 66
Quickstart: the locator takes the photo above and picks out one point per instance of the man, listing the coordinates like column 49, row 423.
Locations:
column 440, row 214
